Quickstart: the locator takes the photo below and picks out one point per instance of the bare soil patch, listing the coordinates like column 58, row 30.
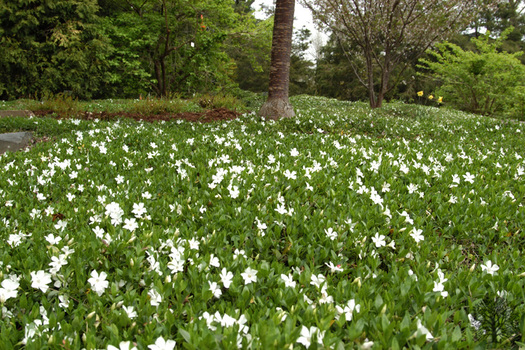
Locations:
column 212, row 115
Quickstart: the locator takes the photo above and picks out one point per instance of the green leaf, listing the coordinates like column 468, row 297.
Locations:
column 456, row 334
column 185, row 335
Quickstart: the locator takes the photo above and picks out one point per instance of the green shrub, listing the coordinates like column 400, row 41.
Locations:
column 61, row 104
column 487, row 81
column 161, row 106
column 210, row 101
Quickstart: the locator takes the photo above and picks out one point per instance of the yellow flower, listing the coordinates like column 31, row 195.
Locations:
column 440, row 99
column 430, row 97
column 420, row 93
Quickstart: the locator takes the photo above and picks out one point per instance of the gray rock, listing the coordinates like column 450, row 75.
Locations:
column 14, row 141
column 16, row 114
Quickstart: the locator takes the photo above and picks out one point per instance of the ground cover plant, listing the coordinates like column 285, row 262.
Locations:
column 340, row 228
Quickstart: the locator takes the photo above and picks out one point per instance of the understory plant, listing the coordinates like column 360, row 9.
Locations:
column 486, row 81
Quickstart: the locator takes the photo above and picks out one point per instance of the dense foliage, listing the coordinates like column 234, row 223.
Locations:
column 343, row 227
column 128, row 48
column 382, row 38
column 50, row 47
column 484, row 81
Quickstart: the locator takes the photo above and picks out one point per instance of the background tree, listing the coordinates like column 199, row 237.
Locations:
column 179, row 43
column 507, row 14
column 334, row 77
column 249, row 47
column 50, row 47
column 243, row 6
column 278, row 105
column 121, row 48
column 301, row 67
column 390, row 34
column 483, row 81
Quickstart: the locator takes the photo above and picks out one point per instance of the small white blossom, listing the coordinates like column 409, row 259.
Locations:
column 490, row 268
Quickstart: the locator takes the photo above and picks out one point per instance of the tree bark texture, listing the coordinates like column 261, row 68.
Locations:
column 278, row 105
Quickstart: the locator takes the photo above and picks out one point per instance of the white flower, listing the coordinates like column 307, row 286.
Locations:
column 99, row 232
column 238, row 253
column 61, row 225
column 502, row 293
column 412, row 188
column 226, row 277
column 350, row 224
column 194, row 244
column 98, row 282
column 473, row 322
column 40, row 280
column 468, row 177
column 422, row 330
column 290, row 175
column 130, row 311
column 161, row 344
column 8, row 290
column 261, row 225
column 376, row 198
column 407, row 217
column 123, row 345
column 119, row 179
column 249, row 275
column 325, row 297
column 490, row 268
column 379, row 240
column 281, row 209
column 114, row 211
column 331, row 233
column 234, row 191
column 456, row 180
column 138, row 210
column 307, row 334
column 288, row 281
column 214, row 261
column 64, row 301
column 416, row 234
column 215, row 289
column 14, row 240
column 367, row 344
column 439, row 287
column 156, row 298
column 52, row 239
column 130, row 224
column 334, row 268
column 294, row 152
column 317, row 280
column 348, row 309
column 57, row 263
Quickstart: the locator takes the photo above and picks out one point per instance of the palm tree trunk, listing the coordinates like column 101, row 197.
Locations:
column 278, row 106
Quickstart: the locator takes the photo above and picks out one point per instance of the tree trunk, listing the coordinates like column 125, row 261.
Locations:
column 385, row 78
column 370, row 79
column 278, row 106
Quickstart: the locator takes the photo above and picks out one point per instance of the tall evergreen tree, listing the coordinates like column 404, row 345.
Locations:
column 50, row 47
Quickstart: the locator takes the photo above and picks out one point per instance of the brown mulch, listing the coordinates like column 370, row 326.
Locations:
column 212, row 115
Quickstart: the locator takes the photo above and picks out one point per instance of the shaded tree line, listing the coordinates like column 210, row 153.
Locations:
column 127, row 48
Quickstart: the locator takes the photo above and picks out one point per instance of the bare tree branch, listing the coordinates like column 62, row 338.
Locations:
column 387, row 30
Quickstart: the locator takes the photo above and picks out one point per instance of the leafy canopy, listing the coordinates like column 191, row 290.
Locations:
column 484, row 81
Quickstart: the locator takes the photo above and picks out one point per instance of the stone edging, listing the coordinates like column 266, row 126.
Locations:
column 24, row 113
